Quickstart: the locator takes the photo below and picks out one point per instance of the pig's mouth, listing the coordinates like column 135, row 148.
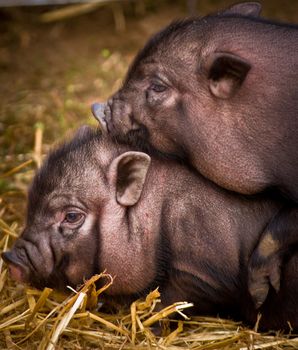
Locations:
column 56, row 279
column 119, row 126
column 24, row 272
column 129, row 132
column 21, row 263
column 17, row 270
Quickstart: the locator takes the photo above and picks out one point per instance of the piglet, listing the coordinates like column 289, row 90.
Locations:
column 96, row 205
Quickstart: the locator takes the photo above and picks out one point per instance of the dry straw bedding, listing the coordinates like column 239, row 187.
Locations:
column 32, row 319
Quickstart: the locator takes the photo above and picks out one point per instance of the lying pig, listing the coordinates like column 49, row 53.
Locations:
column 220, row 92
column 97, row 205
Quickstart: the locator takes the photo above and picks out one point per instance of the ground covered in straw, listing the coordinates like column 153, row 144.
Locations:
column 32, row 319
column 50, row 73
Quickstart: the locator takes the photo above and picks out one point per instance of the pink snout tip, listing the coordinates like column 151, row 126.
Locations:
column 16, row 272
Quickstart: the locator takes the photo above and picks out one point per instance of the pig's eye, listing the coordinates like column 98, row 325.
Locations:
column 73, row 218
column 157, row 87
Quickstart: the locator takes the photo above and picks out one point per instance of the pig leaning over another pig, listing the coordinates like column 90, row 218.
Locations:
column 220, row 92
column 97, row 205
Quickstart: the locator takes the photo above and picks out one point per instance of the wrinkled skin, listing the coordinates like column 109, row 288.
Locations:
column 95, row 205
column 220, row 93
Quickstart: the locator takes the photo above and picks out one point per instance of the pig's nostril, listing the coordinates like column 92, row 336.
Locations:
column 7, row 257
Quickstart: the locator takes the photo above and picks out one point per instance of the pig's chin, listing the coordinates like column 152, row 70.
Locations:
column 137, row 138
column 57, row 278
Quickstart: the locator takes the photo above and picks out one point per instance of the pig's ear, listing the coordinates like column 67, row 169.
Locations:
column 226, row 73
column 252, row 9
column 128, row 173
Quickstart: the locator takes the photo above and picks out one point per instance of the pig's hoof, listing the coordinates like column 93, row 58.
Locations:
column 261, row 273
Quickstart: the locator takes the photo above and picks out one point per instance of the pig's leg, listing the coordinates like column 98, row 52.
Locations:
column 265, row 262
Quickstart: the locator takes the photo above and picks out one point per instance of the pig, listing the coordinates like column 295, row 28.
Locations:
column 220, row 93
column 96, row 205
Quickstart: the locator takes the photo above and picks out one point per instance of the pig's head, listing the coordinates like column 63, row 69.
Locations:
column 77, row 207
column 183, row 83
column 174, row 77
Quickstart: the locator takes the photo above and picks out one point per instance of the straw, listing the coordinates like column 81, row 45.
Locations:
column 45, row 320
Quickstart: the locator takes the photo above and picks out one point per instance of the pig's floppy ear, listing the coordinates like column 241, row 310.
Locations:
column 252, row 9
column 226, row 73
column 128, row 173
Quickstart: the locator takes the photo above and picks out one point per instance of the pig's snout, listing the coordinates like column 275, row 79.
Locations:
column 98, row 110
column 115, row 117
column 16, row 270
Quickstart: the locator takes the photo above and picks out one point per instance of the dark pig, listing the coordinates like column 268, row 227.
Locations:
column 220, row 92
column 97, row 205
